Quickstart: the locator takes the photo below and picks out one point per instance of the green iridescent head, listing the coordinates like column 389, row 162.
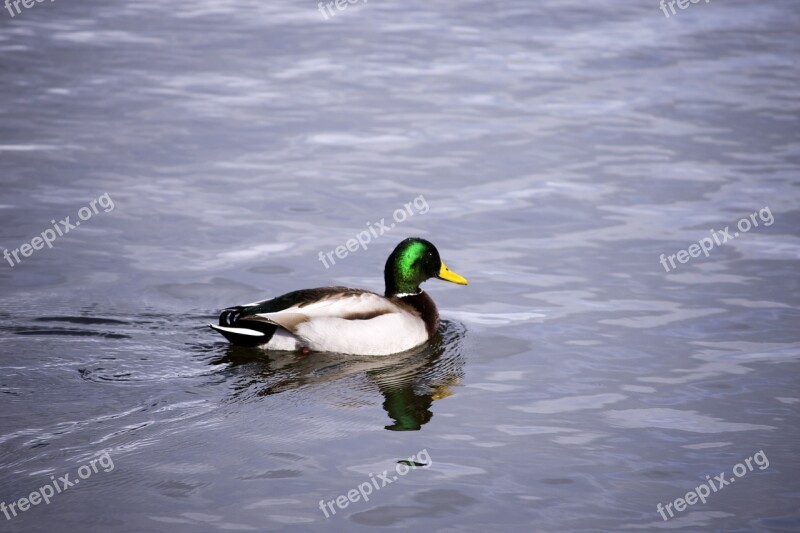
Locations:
column 412, row 262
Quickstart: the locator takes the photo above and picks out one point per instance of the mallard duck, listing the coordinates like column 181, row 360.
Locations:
column 345, row 320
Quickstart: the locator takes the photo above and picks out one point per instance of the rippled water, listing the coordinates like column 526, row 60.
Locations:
column 561, row 147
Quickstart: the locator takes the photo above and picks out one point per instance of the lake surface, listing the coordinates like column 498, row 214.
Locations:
column 555, row 149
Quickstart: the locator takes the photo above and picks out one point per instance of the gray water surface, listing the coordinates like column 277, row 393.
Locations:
column 556, row 150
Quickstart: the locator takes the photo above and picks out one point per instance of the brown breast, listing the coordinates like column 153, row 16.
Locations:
column 426, row 308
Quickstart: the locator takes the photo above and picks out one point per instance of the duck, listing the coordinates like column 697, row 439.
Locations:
column 347, row 320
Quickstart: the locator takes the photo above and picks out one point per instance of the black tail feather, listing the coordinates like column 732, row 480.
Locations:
column 230, row 318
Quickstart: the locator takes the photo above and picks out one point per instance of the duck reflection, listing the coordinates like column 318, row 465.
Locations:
column 409, row 382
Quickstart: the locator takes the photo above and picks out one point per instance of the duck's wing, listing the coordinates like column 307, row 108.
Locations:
column 292, row 309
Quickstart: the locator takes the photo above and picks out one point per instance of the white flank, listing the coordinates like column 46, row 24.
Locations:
column 382, row 335
column 283, row 340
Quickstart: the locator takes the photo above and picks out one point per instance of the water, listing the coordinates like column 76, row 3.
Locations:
column 561, row 147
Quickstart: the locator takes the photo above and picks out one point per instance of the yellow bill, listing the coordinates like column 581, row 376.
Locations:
column 448, row 275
